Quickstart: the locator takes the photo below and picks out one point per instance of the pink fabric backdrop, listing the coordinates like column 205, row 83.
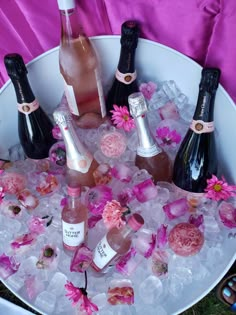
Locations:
column 204, row 30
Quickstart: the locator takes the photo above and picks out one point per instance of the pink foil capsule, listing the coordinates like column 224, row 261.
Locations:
column 185, row 239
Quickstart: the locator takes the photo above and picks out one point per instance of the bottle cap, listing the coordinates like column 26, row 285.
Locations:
column 73, row 191
column 136, row 221
column 15, row 65
column 137, row 104
column 210, row 79
column 129, row 34
column 66, row 4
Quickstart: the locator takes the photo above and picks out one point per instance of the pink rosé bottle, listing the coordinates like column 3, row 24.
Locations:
column 115, row 243
column 79, row 67
column 74, row 220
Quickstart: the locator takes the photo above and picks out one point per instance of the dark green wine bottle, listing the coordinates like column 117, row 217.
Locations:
column 196, row 159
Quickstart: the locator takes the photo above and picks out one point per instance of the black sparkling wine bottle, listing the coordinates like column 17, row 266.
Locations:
column 125, row 82
column 196, row 159
column 34, row 126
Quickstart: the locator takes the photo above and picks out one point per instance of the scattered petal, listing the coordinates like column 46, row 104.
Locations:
column 176, row 208
column 82, row 259
column 227, row 213
column 145, row 191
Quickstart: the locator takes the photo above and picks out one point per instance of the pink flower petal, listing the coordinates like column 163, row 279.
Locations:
column 121, row 172
column 176, row 208
column 162, row 236
column 82, row 259
column 8, row 266
column 168, row 111
column 145, row 191
column 97, row 197
column 227, row 213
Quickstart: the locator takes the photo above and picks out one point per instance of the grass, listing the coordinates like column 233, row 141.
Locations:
column 209, row 305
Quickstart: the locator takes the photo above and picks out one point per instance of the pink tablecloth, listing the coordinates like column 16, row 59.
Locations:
column 204, row 30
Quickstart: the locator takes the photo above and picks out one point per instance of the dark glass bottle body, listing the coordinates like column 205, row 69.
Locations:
column 196, row 159
column 125, row 82
column 34, row 126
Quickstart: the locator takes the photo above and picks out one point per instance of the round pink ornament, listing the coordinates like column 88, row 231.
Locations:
column 113, row 144
column 185, row 239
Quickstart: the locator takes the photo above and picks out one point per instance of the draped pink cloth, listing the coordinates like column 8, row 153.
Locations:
column 204, row 30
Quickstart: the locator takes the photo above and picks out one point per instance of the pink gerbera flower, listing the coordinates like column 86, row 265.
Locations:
column 219, row 189
column 121, row 118
column 79, row 295
column 168, row 137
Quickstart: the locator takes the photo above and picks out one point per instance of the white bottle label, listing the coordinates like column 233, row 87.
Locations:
column 103, row 253
column 100, row 93
column 70, row 96
column 73, row 234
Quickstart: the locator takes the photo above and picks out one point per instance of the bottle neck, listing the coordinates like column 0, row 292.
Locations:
column 127, row 231
column 24, row 93
column 77, row 156
column 127, row 60
column 205, row 106
column 73, row 202
column 70, row 27
column 147, row 146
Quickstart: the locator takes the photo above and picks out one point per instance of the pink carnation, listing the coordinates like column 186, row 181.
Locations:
column 113, row 214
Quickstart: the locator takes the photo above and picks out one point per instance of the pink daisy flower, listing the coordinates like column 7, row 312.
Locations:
column 219, row 189
column 121, row 118
column 168, row 137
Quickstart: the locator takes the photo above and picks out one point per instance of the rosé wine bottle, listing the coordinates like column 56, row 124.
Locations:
column 149, row 155
column 115, row 243
column 80, row 162
column 79, row 67
column 74, row 220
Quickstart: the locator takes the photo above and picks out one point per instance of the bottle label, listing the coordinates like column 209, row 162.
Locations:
column 126, row 78
column 148, row 152
column 80, row 163
column 200, row 126
column 103, row 253
column 73, row 234
column 28, row 108
column 100, row 93
column 70, row 96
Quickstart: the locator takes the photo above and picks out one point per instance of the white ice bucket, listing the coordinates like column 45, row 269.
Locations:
column 154, row 62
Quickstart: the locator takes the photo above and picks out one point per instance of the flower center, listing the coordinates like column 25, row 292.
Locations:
column 217, row 187
column 125, row 117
